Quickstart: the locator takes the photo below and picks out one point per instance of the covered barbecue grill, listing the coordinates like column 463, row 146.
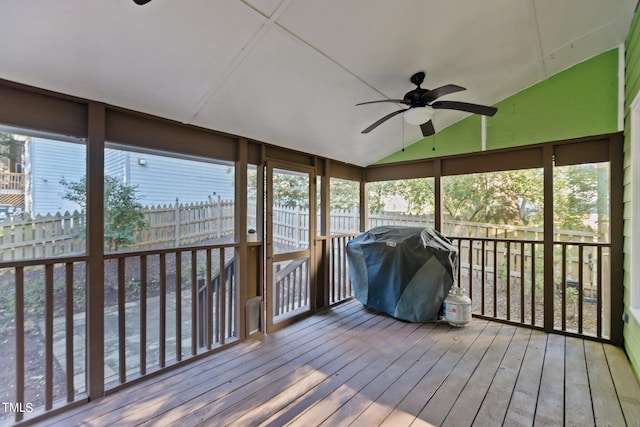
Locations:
column 405, row 272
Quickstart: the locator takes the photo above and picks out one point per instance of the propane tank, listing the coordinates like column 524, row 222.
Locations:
column 457, row 307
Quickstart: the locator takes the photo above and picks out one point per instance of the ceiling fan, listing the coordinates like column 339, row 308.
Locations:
column 141, row 2
column 422, row 102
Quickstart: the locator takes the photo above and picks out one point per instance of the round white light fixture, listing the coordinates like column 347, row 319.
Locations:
column 418, row 115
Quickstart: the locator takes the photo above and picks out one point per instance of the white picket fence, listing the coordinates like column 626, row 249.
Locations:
column 186, row 224
column 42, row 236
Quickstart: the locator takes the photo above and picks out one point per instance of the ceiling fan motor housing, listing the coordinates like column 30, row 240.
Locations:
column 414, row 97
column 421, row 103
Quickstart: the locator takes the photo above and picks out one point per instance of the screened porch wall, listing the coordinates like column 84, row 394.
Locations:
column 28, row 108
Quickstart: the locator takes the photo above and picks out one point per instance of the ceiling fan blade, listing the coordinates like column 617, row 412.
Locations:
column 395, row 101
column 441, row 91
column 427, row 128
column 465, row 106
column 382, row 120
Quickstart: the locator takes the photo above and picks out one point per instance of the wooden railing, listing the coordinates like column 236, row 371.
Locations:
column 46, row 334
column 11, row 183
column 292, row 287
column 215, row 318
column 496, row 271
column 583, row 288
column 505, row 280
column 292, row 281
column 164, row 317
column 153, row 318
column 339, row 281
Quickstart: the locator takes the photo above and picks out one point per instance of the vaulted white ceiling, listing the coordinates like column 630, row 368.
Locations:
column 289, row 72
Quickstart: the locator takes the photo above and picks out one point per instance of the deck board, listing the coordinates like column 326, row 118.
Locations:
column 550, row 409
column 208, row 400
column 314, row 406
column 351, row 366
column 606, row 406
column 577, row 384
column 361, row 399
column 496, row 402
column 523, row 403
column 310, row 380
column 413, row 403
column 627, row 388
column 439, row 406
column 389, row 398
column 468, row 402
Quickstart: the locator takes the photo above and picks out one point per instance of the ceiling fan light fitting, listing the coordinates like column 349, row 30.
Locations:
column 418, row 115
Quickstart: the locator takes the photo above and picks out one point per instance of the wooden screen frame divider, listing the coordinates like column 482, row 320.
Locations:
column 590, row 149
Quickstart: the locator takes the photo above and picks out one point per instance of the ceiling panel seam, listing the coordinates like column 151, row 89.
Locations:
column 537, row 45
column 240, row 57
column 273, row 19
column 284, row 4
column 571, row 42
column 331, row 59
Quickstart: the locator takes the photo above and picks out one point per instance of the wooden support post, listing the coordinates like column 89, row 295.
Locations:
column 364, row 203
column 437, row 192
column 311, row 235
column 324, row 249
column 95, row 251
column 616, row 167
column 242, row 279
column 547, row 161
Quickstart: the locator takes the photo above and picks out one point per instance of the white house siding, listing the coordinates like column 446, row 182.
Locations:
column 162, row 179
column 159, row 181
column 115, row 163
column 48, row 162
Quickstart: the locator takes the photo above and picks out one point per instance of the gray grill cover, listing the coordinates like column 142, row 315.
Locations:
column 405, row 272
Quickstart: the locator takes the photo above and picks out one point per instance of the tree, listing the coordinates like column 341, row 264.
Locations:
column 509, row 197
column 505, row 197
column 9, row 145
column 344, row 195
column 291, row 190
column 418, row 193
column 578, row 189
column 377, row 191
column 123, row 213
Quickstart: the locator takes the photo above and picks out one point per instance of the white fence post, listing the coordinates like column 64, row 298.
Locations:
column 219, row 216
column 176, row 218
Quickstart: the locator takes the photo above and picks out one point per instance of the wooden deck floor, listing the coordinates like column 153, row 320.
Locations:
column 351, row 366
